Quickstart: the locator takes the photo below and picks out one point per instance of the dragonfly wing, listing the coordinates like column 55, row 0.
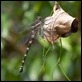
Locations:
column 24, row 39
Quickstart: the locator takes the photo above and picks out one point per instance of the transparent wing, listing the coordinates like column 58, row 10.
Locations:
column 24, row 38
column 27, row 35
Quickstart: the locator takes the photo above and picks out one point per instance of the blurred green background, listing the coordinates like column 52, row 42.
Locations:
column 17, row 16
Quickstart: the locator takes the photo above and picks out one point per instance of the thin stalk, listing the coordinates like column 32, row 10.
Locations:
column 44, row 59
column 64, row 73
column 58, row 59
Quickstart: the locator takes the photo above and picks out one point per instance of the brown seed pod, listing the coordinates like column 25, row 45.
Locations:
column 60, row 24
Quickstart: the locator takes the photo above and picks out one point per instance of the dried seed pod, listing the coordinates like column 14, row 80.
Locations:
column 60, row 24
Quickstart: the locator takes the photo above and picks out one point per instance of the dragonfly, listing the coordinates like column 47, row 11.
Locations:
column 34, row 29
column 54, row 26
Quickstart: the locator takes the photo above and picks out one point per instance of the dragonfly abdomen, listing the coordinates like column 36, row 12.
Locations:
column 31, row 38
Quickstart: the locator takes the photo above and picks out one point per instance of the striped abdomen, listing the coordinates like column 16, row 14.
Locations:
column 35, row 26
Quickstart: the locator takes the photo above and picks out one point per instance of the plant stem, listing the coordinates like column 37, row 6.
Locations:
column 64, row 73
